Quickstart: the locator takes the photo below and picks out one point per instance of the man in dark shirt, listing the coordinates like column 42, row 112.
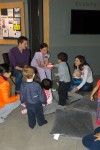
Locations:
column 19, row 57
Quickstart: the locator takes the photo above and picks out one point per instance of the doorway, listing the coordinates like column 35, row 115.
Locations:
column 35, row 13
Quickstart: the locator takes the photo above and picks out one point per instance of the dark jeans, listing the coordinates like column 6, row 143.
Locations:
column 18, row 79
column 63, row 92
column 87, row 87
column 35, row 111
column 88, row 141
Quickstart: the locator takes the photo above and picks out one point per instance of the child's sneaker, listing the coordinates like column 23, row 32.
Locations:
column 24, row 111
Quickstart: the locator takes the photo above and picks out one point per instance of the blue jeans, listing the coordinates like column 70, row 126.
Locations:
column 88, row 141
column 87, row 87
column 18, row 79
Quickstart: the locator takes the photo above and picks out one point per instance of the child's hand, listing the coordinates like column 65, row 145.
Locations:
column 50, row 66
column 43, row 105
column 55, row 74
column 23, row 104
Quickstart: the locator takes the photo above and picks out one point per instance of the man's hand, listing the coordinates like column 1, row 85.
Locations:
column 18, row 68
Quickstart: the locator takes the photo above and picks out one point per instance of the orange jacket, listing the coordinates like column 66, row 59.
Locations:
column 5, row 97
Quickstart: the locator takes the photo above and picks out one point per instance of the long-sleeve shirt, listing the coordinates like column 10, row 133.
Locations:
column 32, row 93
column 86, row 75
column 17, row 58
column 38, row 56
column 63, row 72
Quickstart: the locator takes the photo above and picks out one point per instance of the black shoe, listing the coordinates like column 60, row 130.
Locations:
column 45, row 122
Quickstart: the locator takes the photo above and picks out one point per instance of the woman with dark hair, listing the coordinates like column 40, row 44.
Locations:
column 86, row 75
column 41, row 60
column 7, row 102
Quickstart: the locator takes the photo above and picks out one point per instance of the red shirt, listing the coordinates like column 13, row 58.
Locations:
column 98, row 83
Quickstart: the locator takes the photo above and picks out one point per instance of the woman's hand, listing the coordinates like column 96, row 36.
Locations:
column 74, row 90
column 97, row 137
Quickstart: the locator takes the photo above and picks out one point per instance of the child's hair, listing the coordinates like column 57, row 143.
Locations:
column 63, row 57
column 28, row 72
column 77, row 73
column 4, row 68
column 46, row 84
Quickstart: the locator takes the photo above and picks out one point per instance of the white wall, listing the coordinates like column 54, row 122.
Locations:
column 62, row 40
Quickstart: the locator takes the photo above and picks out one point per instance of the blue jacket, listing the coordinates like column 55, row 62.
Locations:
column 31, row 93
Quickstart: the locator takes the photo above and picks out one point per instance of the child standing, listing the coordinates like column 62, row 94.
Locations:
column 64, row 78
column 97, row 88
column 32, row 95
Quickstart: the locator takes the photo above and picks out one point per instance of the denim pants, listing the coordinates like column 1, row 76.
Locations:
column 35, row 112
column 18, row 79
column 88, row 141
column 87, row 87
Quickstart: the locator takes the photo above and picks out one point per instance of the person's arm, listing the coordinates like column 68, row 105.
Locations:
column 13, row 59
column 93, row 92
column 22, row 98
column 27, row 59
column 42, row 97
column 39, row 63
column 18, row 68
column 6, row 94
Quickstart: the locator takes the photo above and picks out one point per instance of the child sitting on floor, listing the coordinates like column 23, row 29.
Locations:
column 76, row 79
column 97, row 88
column 47, row 85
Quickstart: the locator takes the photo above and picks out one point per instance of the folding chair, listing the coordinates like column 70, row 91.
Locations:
column 7, row 61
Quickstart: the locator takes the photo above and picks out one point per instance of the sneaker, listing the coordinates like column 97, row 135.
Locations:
column 60, row 107
column 45, row 122
column 2, row 120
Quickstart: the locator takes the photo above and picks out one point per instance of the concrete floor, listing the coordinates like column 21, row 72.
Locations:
column 16, row 135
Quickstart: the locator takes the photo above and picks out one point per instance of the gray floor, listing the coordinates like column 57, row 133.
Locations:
column 16, row 135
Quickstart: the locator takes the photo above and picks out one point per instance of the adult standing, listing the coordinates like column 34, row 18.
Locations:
column 19, row 57
column 86, row 74
column 41, row 60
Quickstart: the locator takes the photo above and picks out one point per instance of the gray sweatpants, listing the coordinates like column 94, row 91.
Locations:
column 8, row 108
